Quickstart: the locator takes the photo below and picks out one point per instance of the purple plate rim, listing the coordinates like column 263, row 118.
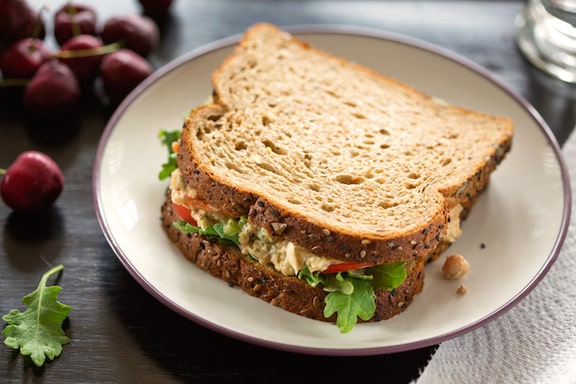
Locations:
column 336, row 30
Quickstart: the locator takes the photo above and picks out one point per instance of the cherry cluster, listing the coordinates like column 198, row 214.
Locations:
column 111, row 53
column 54, row 81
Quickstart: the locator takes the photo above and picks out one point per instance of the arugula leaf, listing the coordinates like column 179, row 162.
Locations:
column 313, row 279
column 338, row 283
column 167, row 138
column 360, row 303
column 388, row 276
column 352, row 294
column 228, row 232
column 37, row 331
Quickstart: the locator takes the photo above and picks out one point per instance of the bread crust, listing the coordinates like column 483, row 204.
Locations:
column 264, row 282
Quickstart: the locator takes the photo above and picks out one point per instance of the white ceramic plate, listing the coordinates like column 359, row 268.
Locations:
column 511, row 239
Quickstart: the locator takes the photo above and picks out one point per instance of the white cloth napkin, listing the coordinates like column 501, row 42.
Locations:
column 534, row 342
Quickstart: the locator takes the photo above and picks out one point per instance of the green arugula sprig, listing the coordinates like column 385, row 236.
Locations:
column 352, row 294
column 37, row 332
column 167, row 138
column 227, row 233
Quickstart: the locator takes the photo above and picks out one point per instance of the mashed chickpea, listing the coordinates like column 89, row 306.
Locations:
column 455, row 267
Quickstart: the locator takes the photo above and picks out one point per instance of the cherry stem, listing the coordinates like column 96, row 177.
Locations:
column 16, row 82
column 104, row 50
column 38, row 23
column 71, row 10
column 2, row 171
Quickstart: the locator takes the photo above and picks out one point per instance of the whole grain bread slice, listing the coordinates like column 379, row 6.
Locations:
column 348, row 163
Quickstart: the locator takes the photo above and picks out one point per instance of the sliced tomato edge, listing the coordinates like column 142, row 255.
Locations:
column 344, row 267
column 184, row 214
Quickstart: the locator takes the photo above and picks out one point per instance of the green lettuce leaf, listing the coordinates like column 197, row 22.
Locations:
column 37, row 331
column 167, row 138
column 352, row 294
column 360, row 303
column 339, row 282
column 387, row 276
column 228, row 232
column 313, row 279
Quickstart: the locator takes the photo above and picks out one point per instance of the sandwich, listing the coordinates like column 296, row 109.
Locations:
column 319, row 185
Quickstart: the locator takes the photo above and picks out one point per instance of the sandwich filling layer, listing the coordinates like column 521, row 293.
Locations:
column 287, row 257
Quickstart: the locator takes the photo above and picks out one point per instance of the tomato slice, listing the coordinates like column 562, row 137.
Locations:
column 345, row 266
column 184, row 214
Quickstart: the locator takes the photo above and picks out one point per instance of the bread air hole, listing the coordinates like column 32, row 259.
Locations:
column 267, row 120
column 233, row 167
column 240, row 145
column 307, row 161
column 327, row 207
column 387, row 204
column 349, row 179
column 384, row 132
column 270, row 168
column 452, row 136
column 314, row 187
column 273, row 147
column 411, row 185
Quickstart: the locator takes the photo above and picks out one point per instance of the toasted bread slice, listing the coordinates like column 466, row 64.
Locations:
column 350, row 164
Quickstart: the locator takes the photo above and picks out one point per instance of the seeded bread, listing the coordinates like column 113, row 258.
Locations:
column 287, row 292
column 348, row 163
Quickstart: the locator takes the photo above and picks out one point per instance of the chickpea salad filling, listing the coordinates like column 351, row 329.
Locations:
column 351, row 286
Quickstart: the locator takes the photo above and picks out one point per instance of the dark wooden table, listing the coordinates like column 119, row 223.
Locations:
column 119, row 333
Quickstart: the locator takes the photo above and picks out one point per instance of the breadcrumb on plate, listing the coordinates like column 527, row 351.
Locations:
column 455, row 267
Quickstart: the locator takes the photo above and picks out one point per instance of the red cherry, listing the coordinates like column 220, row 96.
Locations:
column 72, row 20
column 52, row 92
column 85, row 67
column 32, row 183
column 121, row 72
column 23, row 58
column 137, row 32
column 18, row 21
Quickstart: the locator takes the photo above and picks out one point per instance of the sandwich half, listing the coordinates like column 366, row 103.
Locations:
column 321, row 186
